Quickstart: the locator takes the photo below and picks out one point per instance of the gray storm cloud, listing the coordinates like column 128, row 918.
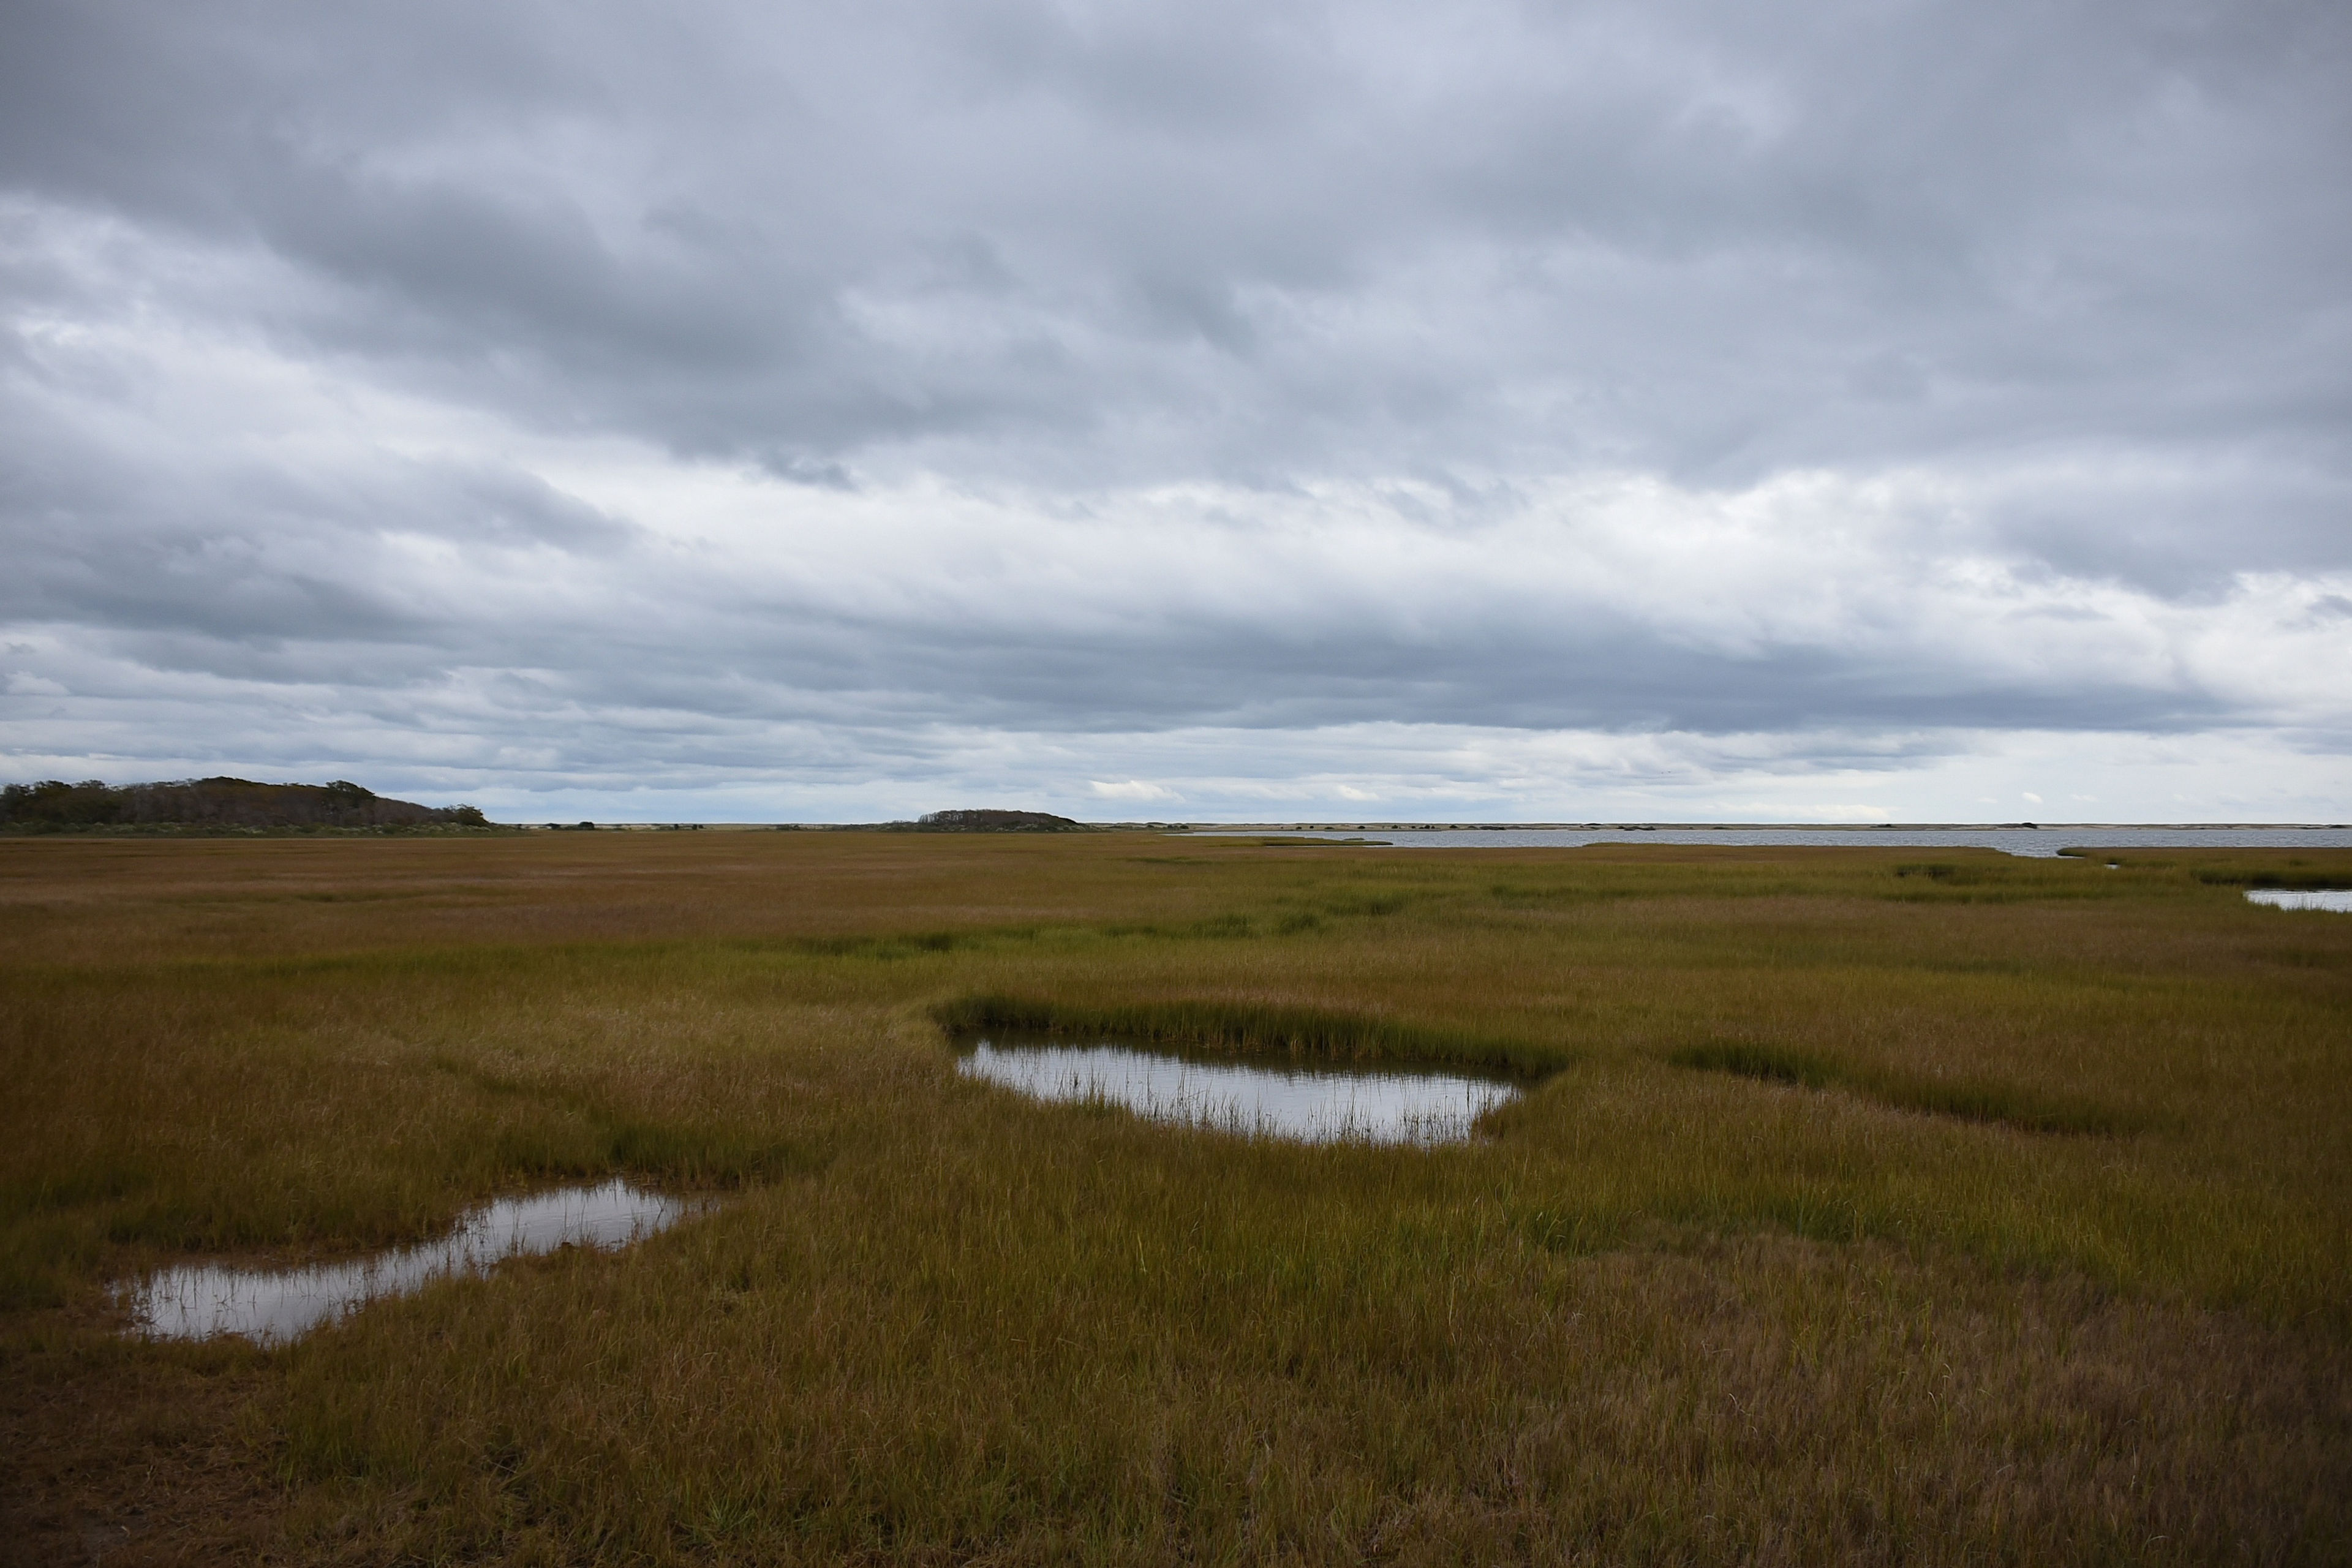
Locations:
column 1188, row 404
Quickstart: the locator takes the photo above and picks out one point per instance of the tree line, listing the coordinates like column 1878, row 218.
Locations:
column 56, row 806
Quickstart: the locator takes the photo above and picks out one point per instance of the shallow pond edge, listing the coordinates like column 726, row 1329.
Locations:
column 1258, row 1029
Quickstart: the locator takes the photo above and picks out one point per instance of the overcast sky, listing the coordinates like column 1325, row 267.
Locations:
column 1850, row 410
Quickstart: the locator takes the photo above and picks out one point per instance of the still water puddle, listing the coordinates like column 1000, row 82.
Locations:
column 2338, row 899
column 197, row 1303
column 1318, row 1104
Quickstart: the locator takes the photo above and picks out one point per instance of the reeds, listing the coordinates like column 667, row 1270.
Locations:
column 1254, row 1028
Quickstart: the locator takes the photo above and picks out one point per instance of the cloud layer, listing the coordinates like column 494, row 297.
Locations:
column 1529, row 411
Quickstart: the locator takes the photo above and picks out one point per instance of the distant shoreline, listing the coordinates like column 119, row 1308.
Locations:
column 208, row 830
column 1610, row 827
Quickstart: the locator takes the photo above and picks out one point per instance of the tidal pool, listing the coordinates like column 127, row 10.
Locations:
column 2338, row 899
column 1312, row 1104
column 276, row 1305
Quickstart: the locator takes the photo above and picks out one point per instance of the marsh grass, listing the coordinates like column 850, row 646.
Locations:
column 1977, row 1100
column 1756, row 1306
column 1256, row 1029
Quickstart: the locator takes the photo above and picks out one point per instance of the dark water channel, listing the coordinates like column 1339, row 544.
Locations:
column 1255, row 1097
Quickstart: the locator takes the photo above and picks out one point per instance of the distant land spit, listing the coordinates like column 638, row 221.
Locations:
column 928, row 825
column 216, row 805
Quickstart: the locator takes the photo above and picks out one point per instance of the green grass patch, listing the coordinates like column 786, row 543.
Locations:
column 1771, row 1064
column 1254, row 1028
column 2288, row 879
column 1973, row 1100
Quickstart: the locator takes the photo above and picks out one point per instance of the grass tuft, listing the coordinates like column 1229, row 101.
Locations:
column 1970, row 1099
column 1765, row 1062
column 2297, row 881
column 1257, row 1028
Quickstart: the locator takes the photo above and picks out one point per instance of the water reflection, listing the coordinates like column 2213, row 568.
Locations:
column 1321, row 1104
column 195, row 1303
column 2039, row 842
column 2339, row 900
